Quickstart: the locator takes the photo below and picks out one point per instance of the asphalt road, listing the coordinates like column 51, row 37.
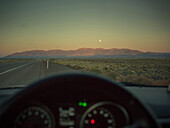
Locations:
column 19, row 74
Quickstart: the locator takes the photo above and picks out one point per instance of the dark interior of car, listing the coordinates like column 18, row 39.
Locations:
column 77, row 100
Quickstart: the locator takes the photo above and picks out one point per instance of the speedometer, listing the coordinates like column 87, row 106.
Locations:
column 34, row 117
column 104, row 115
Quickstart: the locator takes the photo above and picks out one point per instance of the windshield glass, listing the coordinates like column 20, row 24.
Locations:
column 125, row 40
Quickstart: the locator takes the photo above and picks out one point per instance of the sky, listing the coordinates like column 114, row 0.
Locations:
column 71, row 24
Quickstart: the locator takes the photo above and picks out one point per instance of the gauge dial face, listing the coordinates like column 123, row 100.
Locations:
column 99, row 118
column 104, row 115
column 34, row 117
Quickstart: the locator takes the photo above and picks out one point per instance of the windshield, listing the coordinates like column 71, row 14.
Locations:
column 127, row 41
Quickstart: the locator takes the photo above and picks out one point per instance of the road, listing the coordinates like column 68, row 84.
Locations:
column 19, row 74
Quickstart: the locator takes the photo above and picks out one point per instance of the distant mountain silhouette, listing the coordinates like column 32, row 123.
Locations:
column 87, row 52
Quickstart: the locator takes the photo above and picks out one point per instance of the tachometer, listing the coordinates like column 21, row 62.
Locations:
column 34, row 117
column 104, row 115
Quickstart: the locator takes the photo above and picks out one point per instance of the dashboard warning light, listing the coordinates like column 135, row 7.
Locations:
column 92, row 121
column 84, row 104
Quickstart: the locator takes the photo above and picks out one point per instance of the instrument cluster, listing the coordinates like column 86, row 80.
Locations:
column 73, row 115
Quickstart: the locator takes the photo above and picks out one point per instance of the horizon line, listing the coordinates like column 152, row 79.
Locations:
column 87, row 48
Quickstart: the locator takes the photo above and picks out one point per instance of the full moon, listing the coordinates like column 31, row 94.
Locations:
column 100, row 41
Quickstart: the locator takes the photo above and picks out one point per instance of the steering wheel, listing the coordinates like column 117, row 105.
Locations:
column 98, row 94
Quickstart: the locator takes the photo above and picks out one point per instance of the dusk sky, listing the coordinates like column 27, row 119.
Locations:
column 71, row 24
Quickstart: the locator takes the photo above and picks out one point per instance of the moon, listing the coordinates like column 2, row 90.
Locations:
column 100, row 41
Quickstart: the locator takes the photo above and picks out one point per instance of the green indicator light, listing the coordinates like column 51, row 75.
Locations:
column 84, row 104
column 80, row 103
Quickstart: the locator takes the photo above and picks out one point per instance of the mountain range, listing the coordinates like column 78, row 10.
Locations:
column 88, row 52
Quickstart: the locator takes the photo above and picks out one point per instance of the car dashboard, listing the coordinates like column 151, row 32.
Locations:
column 82, row 101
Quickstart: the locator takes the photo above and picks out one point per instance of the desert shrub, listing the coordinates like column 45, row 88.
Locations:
column 142, row 71
column 136, row 79
column 97, row 71
column 111, row 75
column 77, row 67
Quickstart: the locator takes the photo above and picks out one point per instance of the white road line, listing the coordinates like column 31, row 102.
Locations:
column 14, row 68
